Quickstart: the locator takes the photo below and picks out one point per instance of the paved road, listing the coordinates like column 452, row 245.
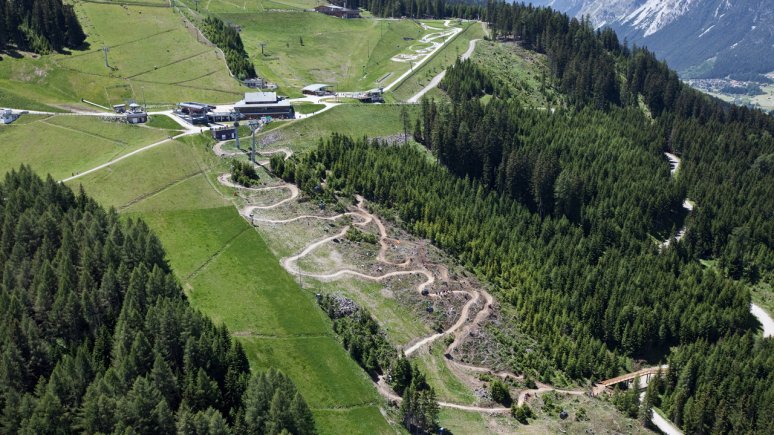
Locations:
column 662, row 423
column 674, row 165
column 765, row 318
column 433, row 83
column 437, row 79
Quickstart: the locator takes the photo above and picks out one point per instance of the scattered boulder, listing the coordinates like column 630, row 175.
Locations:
column 343, row 307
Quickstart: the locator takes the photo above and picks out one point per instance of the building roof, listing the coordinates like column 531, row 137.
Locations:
column 337, row 7
column 260, row 98
column 315, row 87
column 242, row 104
column 338, row 11
column 196, row 106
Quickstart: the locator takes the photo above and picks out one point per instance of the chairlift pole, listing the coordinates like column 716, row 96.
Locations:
column 235, row 118
column 254, row 125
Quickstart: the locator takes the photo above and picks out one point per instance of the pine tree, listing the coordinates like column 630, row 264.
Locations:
column 500, row 393
column 97, row 413
column 164, row 379
column 401, row 375
column 47, row 417
column 303, row 420
column 543, row 178
column 145, row 410
column 272, row 404
column 75, row 35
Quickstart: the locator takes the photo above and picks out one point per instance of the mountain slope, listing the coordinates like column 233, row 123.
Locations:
column 699, row 38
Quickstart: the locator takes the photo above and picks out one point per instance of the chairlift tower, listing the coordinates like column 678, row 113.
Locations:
column 235, row 118
column 254, row 125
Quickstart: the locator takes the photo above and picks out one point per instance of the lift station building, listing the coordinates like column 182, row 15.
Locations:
column 259, row 104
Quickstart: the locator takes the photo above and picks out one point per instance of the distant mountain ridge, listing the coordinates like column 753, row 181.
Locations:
column 698, row 38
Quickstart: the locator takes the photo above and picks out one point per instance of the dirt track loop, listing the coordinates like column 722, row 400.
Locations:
column 460, row 329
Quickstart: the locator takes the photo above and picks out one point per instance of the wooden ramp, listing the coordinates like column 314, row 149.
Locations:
column 644, row 374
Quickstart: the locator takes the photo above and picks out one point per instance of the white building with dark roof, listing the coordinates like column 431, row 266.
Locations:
column 136, row 114
column 318, row 89
column 259, row 104
column 7, row 116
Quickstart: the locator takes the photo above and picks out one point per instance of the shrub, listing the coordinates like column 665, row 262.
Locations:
column 500, row 392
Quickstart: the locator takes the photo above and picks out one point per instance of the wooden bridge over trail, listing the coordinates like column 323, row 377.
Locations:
column 644, row 376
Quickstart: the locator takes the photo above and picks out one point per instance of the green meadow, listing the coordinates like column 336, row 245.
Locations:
column 229, row 273
column 307, row 47
column 242, row 6
column 355, row 120
column 64, row 145
column 153, row 57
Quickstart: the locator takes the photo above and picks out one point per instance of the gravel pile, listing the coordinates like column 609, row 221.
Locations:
column 343, row 307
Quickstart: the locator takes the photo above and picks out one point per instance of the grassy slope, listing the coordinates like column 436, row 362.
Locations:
column 145, row 175
column 440, row 61
column 351, row 119
column 230, row 274
column 62, row 145
column 163, row 121
column 306, row 108
column 242, row 6
column 447, row 386
column 523, row 71
column 154, row 57
column 400, row 325
column 335, row 51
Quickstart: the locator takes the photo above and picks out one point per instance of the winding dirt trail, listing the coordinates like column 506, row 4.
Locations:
column 290, row 263
column 460, row 330
column 225, row 179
